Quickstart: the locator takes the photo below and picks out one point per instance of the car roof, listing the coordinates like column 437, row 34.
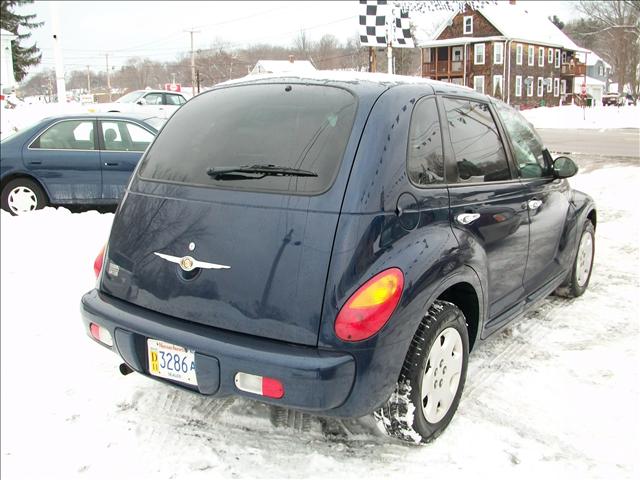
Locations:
column 153, row 91
column 109, row 115
column 360, row 81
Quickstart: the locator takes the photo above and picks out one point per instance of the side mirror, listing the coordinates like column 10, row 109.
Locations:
column 564, row 167
column 142, row 101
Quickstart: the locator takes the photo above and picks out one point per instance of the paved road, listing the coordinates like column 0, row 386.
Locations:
column 623, row 142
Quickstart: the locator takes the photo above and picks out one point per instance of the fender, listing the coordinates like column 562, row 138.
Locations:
column 464, row 274
column 19, row 173
column 585, row 207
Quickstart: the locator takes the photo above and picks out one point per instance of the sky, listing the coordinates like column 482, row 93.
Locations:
column 158, row 30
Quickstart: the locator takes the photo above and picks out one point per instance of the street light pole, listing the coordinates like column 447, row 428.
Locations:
column 57, row 51
column 193, row 64
column 88, row 79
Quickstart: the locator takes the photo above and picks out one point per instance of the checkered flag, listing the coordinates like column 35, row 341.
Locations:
column 373, row 24
column 401, row 30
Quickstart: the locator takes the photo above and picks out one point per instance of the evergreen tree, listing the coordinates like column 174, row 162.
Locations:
column 557, row 22
column 23, row 56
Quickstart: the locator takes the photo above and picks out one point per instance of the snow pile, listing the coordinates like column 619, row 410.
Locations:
column 571, row 116
column 554, row 395
column 26, row 114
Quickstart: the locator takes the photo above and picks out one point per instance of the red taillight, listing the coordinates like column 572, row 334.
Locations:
column 370, row 307
column 97, row 264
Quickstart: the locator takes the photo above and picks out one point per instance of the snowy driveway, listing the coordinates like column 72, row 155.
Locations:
column 555, row 394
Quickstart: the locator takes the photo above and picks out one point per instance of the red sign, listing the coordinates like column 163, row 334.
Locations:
column 583, row 89
column 173, row 87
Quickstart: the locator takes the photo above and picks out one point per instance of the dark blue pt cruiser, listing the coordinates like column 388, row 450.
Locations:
column 336, row 245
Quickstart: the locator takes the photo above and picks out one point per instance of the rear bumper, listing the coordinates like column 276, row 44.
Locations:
column 314, row 379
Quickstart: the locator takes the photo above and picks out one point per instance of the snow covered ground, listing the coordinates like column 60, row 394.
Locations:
column 571, row 116
column 554, row 395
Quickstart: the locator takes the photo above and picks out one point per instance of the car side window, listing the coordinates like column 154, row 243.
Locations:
column 153, row 99
column 140, row 138
column 173, row 99
column 528, row 149
column 123, row 136
column 68, row 135
column 479, row 153
column 425, row 159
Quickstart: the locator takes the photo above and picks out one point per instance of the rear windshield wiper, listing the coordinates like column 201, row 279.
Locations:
column 261, row 171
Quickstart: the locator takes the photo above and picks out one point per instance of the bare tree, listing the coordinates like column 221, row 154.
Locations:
column 618, row 37
column 303, row 45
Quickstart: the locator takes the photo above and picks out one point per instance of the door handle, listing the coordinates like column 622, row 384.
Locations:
column 534, row 204
column 467, row 218
column 111, row 164
column 35, row 162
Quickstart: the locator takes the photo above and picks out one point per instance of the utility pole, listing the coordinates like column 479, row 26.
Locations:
column 88, row 79
column 108, row 77
column 372, row 60
column 193, row 63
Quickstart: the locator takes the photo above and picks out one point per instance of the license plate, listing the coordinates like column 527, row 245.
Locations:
column 171, row 361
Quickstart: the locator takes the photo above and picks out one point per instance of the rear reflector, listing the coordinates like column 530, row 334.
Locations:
column 101, row 334
column 265, row 386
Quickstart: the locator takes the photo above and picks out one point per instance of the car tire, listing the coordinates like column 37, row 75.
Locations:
column 22, row 195
column 418, row 413
column 578, row 280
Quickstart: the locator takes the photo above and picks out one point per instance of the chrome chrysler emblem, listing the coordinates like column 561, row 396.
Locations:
column 189, row 263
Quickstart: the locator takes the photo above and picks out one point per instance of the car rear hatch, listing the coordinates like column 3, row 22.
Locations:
column 243, row 251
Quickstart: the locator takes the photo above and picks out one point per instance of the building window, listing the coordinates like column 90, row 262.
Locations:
column 540, row 86
column 478, row 54
column 518, row 54
column 530, row 56
column 498, row 53
column 563, row 87
column 556, row 87
column 541, row 57
column 550, row 56
column 518, row 86
column 468, row 25
column 601, row 71
column 529, row 82
column 557, row 58
column 478, row 83
column 564, row 57
column 498, row 86
column 456, row 53
column 549, row 84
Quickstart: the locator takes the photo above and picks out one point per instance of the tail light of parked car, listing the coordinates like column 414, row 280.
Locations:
column 370, row 307
column 97, row 264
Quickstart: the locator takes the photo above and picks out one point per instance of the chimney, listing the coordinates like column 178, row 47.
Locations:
column 291, row 58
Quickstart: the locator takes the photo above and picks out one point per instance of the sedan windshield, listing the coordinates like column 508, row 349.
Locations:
column 130, row 97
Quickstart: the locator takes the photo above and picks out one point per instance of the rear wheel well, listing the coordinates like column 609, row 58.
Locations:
column 15, row 176
column 464, row 296
column 593, row 217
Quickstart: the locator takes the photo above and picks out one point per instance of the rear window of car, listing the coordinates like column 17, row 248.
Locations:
column 297, row 126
